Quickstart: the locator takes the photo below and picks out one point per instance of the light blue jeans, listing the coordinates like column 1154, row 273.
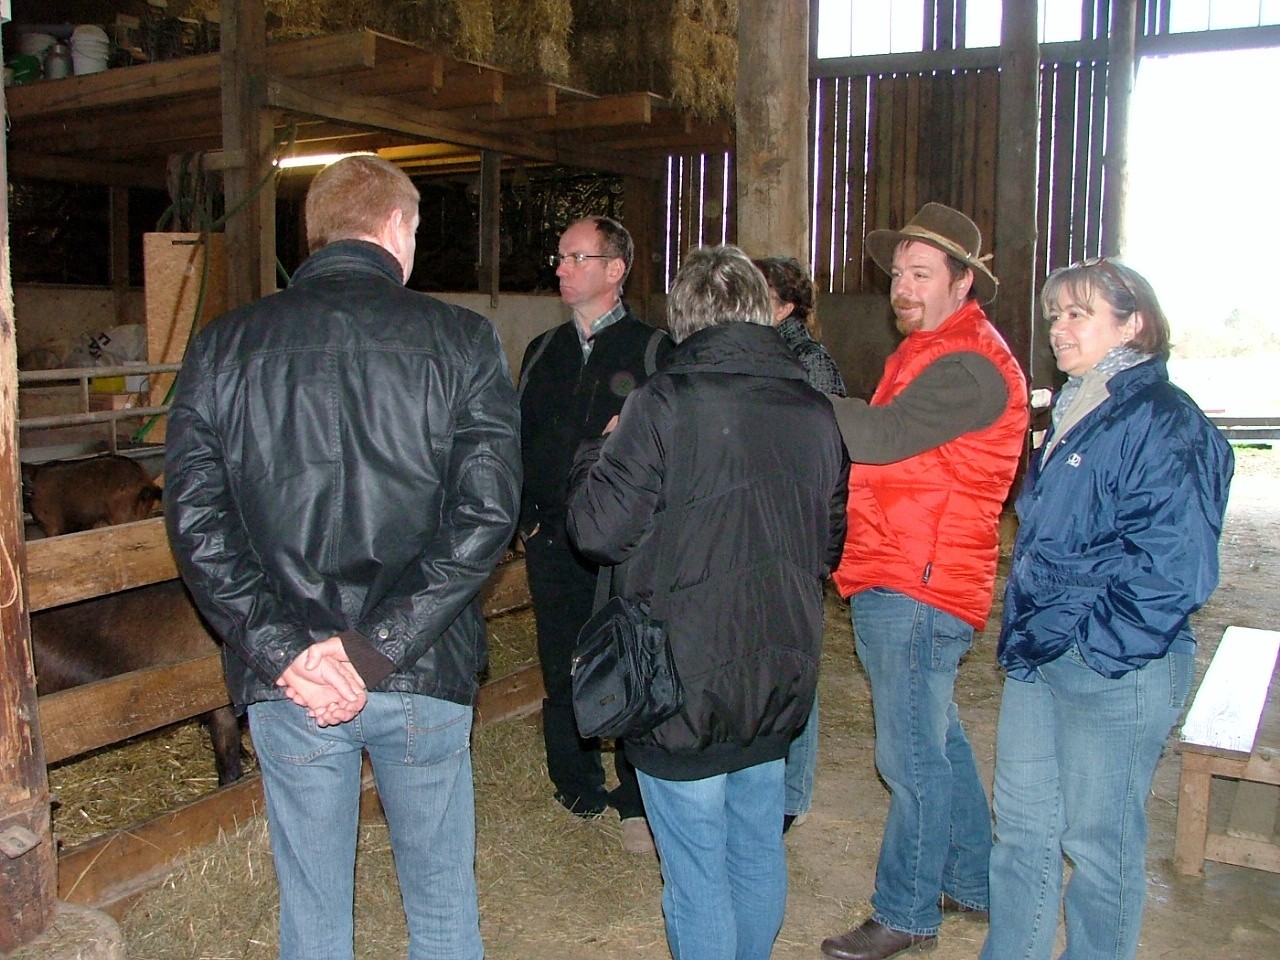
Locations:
column 802, row 763
column 420, row 750
column 937, row 837
column 1075, row 756
column 724, row 869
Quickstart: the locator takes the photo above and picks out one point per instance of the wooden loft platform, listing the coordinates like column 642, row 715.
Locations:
column 352, row 91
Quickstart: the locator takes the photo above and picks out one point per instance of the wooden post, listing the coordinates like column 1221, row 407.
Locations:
column 1121, row 62
column 1016, row 158
column 247, row 127
column 490, row 223
column 773, row 136
column 28, row 880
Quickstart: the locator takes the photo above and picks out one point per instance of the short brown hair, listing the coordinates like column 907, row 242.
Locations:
column 1124, row 289
column 353, row 197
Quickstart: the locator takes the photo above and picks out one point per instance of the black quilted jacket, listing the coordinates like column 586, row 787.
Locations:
column 730, row 461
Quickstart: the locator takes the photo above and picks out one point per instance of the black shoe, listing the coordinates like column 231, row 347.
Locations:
column 875, row 941
column 787, row 820
column 587, row 810
column 950, row 904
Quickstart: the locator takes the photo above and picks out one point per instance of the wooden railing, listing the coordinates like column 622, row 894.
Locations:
column 108, row 871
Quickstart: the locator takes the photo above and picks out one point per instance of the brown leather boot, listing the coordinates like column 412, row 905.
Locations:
column 875, row 941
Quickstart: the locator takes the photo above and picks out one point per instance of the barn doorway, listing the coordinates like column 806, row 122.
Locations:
column 1202, row 222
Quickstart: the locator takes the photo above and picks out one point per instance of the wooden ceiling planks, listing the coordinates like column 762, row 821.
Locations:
column 362, row 85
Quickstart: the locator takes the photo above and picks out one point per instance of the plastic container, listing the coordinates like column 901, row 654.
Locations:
column 57, row 62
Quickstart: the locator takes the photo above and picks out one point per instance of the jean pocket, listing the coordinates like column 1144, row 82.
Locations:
column 1182, row 668
column 437, row 729
column 949, row 642
column 284, row 730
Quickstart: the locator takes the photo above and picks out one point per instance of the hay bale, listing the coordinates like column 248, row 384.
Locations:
column 532, row 36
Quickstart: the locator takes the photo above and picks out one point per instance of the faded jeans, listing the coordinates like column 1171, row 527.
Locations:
column 1075, row 756
column 938, row 834
column 420, row 748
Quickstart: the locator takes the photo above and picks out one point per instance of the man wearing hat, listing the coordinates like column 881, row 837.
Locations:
column 935, row 454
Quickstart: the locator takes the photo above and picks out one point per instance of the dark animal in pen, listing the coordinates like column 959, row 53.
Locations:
column 122, row 632
column 65, row 496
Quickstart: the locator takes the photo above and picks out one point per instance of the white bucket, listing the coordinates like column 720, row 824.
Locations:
column 35, row 44
column 90, row 49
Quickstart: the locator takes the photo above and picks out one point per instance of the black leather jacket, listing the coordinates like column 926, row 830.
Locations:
column 343, row 458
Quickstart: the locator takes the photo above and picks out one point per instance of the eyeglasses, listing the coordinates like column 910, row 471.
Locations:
column 558, row 258
column 1111, row 269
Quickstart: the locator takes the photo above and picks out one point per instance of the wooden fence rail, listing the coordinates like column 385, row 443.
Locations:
column 108, row 871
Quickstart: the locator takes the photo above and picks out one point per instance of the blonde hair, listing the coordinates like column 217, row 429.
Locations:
column 353, row 197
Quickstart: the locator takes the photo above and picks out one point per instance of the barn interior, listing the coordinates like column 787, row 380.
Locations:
column 146, row 198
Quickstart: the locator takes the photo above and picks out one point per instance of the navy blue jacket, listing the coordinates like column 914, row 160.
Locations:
column 1118, row 532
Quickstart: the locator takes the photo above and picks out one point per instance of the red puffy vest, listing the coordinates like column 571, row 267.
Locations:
column 928, row 526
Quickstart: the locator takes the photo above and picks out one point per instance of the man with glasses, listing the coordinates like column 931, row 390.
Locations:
column 573, row 381
column 934, row 455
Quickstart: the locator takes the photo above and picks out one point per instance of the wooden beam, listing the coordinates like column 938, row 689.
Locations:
column 383, row 113
column 413, row 73
column 88, row 564
column 621, row 111
column 467, row 85
column 118, row 212
column 247, row 125
column 772, row 129
column 70, row 170
column 28, row 880
column 107, row 870
column 107, row 711
column 525, row 103
column 1121, row 72
column 1016, row 161
column 191, row 75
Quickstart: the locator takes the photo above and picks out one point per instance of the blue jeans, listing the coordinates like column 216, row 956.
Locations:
column 1075, row 756
column 802, row 762
column 938, row 834
column 724, row 869
column 420, row 750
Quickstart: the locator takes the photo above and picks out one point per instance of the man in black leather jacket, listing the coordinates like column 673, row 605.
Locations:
column 343, row 474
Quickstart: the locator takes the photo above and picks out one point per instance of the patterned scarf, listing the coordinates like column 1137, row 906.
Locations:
column 1117, row 359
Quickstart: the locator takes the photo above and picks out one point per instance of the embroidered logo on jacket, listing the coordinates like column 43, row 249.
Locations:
column 1074, row 460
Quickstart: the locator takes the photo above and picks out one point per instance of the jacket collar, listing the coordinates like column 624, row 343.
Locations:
column 347, row 257
column 737, row 347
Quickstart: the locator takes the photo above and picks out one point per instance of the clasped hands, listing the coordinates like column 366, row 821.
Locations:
column 322, row 680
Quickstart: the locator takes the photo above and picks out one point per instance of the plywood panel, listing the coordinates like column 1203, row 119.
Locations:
column 179, row 286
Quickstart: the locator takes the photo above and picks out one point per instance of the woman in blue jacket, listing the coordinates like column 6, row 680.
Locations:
column 1119, row 519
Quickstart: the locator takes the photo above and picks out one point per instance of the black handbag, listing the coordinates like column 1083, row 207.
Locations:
column 624, row 673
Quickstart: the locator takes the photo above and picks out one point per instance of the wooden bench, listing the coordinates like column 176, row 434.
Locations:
column 1232, row 730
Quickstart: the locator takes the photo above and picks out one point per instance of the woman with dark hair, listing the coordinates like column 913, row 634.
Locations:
column 1119, row 515
column 791, row 297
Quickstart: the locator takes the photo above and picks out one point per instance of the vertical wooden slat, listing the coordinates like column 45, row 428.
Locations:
column 1080, row 140
column 826, row 161
column 855, row 220
column 118, row 214
column 911, row 133
column 731, row 218
column 713, row 199
column 1044, row 221
column 490, row 239
column 965, row 195
column 1063, row 163
column 984, row 201
column 1096, row 151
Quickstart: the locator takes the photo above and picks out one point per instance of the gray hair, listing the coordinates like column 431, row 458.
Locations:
column 716, row 285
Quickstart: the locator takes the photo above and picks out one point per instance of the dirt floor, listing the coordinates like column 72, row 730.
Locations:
column 554, row 888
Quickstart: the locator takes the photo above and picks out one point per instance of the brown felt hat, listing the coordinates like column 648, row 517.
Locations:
column 950, row 231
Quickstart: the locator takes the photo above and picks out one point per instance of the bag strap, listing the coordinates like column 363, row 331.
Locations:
column 528, row 367
column 664, row 571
